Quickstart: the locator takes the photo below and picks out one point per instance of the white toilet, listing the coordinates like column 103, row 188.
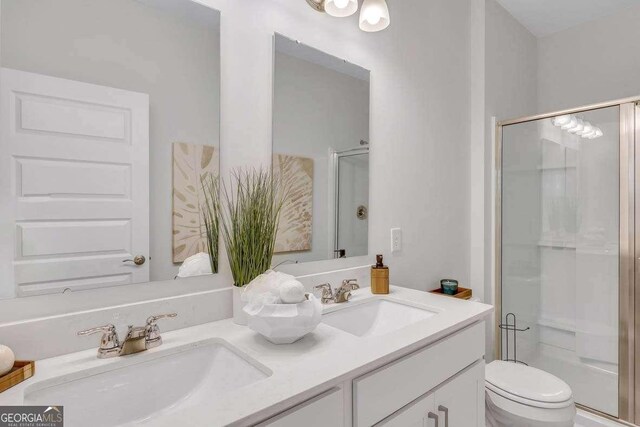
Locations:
column 522, row 396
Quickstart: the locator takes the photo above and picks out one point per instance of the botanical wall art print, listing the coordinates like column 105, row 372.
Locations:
column 190, row 163
column 296, row 219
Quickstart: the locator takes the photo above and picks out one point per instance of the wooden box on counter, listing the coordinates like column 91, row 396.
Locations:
column 21, row 371
column 463, row 293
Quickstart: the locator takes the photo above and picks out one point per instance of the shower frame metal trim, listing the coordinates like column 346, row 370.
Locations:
column 629, row 259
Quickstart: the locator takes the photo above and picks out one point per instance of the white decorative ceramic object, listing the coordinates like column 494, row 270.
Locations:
column 292, row 292
column 7, row 359
column 286, row 323
column 239, row 316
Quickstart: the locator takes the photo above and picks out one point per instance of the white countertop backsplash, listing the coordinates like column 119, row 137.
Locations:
column 49, row 335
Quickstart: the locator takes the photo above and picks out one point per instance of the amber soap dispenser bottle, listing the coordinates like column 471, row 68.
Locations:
column 379, row 277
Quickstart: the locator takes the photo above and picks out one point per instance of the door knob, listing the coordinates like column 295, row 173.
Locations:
column 137, row 260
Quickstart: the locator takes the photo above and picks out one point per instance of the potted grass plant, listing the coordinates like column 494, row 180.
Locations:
column 248, row 209
column 211, row 217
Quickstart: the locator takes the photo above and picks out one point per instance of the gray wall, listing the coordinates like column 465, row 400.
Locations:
column 129, row 45
column 593, row 62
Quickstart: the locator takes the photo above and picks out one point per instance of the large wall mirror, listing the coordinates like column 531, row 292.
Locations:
column 110, row 123
column 321, row 153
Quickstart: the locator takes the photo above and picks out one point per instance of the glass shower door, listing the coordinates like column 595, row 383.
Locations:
column 352, row 203
column 560, row 249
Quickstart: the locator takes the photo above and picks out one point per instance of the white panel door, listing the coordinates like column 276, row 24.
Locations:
column 74, row 165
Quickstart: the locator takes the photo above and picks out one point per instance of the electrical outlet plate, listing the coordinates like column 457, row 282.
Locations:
column 396, row 239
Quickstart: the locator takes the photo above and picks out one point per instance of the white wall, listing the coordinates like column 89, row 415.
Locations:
column 128, row 45
column 419, row 118
column 503, row 85
column 593, row 62
column 317, row 108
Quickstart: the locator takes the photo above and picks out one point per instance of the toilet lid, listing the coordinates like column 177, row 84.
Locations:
column 526, row 382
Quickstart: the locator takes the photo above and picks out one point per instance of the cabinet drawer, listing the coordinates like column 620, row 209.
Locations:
column 385, row 390
column 324, row 410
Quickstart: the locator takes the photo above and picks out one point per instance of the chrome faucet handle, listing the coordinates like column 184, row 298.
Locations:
column 153, row 338
column 327, row 292
column 109, row 343
column 153, row 319
column 351, row 283
column 344, row 291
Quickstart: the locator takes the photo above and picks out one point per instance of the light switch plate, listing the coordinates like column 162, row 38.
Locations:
column 396, row 239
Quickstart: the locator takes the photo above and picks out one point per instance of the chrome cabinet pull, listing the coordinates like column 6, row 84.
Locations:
column 434, row 417
column 442, row 408
column 137, row 260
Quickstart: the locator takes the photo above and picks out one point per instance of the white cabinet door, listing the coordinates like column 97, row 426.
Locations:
column 460, row 402
column 414, row 375
column 74, row 184
column 419, row 413
column 321, row 411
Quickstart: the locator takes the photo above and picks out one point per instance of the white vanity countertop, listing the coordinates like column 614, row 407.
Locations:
column 299, row 371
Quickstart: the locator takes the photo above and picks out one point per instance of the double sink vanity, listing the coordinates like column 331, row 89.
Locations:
column 404, row 359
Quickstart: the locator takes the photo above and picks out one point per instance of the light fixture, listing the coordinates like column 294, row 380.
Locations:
column 374, row 15
column 341, row 8
column 586, row 130
column 570, row 124
column 316, row 5
column 577, row 126
column 562, row 120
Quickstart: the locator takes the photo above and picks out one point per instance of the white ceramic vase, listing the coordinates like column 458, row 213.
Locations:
column 239, row 315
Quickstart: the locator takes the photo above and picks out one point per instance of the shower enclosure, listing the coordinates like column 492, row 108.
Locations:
column 351, row 201
column 568, row 207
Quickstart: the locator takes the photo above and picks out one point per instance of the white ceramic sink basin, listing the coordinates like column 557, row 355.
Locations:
column 141, row 391
column 377, row 317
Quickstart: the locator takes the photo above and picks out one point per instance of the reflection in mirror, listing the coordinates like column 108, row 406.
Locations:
column 112, row 121
column 321, row 152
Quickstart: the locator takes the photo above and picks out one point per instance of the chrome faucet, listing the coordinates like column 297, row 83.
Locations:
column 139, row 338
column 342, row 294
